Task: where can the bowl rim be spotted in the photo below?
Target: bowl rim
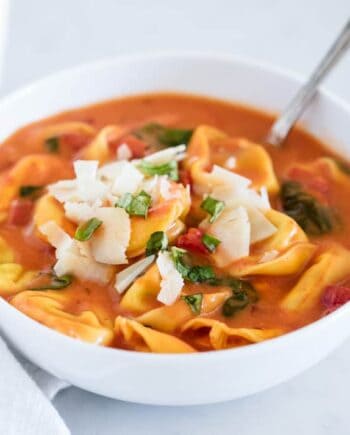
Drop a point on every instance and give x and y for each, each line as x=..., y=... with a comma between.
x=103, y=63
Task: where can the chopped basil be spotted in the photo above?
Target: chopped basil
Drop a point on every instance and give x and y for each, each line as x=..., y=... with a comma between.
x=194, y=302
x=156, y=135
x=313, y=217
x=30, y=190
x=87, y=229
x=55, y=282
x=191, y=273
x=170, y=169
x=137, y=205
x=52, y=144
x=157, y=242
x=213, y=207
x=125, y=201
x=243, y=293
x=210, y=242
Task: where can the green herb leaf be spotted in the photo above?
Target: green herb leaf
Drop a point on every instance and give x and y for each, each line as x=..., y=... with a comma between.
x=243, y=293
x=213, y=207
x=234, y=304
x=52, y=144
x=170, y=169
x=177, y=256
x=125, y=201
x=137, y=205
x=194, y=302
x=157, y=242
x=87, y=229
x=313, y=217
x=200, y=274
x=195, y=274
x=32, y=191
x=55, y=283
x=210, y=242
x=156, y=135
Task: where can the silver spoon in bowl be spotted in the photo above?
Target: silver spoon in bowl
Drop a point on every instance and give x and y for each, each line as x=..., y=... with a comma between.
x=283, y=124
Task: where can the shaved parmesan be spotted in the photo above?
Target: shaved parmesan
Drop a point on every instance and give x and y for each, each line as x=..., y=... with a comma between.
x=109, y=243
x=89, y=188
x=265, y=198
x=124, y=152
x=82, y=267
x=223, y=176
x=65, y=190
x=172, y=281
x=85, y=170
x=232, y=228
x=126, y=277
x=78, y=211
x=260, y=227
x=127, y=180
x=164, y=156
x=151, y=186
x=58, y=238
x=74, y=257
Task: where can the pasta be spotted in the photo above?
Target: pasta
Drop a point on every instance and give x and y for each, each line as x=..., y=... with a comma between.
x=181, y=238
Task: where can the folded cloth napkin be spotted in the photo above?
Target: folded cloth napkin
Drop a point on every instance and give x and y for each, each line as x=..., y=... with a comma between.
x=25, y=394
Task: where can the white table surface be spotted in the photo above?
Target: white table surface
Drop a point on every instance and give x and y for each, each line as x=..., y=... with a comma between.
x=45, y=36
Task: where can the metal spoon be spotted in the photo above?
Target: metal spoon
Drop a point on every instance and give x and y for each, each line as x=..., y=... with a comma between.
x=283, y=124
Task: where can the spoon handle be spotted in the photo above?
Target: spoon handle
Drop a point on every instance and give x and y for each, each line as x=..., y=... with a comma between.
x=281, y=127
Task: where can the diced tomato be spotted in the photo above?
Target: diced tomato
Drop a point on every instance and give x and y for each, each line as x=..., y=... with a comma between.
x=335, y=296
x=137, y=146
x=74, y=141
x=185, y=177
x=192, y=241
x=20, y=212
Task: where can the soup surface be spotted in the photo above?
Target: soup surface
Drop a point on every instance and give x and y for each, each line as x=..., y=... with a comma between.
x=161, y=223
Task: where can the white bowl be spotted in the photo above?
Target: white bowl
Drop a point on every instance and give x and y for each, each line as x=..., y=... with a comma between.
x=175, y=379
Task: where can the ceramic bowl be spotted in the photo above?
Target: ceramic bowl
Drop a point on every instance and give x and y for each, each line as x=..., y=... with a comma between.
x=183, y=379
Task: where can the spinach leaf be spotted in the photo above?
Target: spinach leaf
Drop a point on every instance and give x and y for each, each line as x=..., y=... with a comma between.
x=194, y=302
x=31, y=191
x=55, y=282
x=243, y=294
x=313, y=217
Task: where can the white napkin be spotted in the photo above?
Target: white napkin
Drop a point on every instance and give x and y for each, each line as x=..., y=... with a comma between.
x=25, y=394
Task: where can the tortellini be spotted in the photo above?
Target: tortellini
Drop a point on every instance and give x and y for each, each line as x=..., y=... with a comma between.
x=328, y=268
x=213, y=334
x=143, y=339
x=49, y=308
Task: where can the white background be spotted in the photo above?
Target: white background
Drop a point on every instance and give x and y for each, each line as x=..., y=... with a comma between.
x=45, y=36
